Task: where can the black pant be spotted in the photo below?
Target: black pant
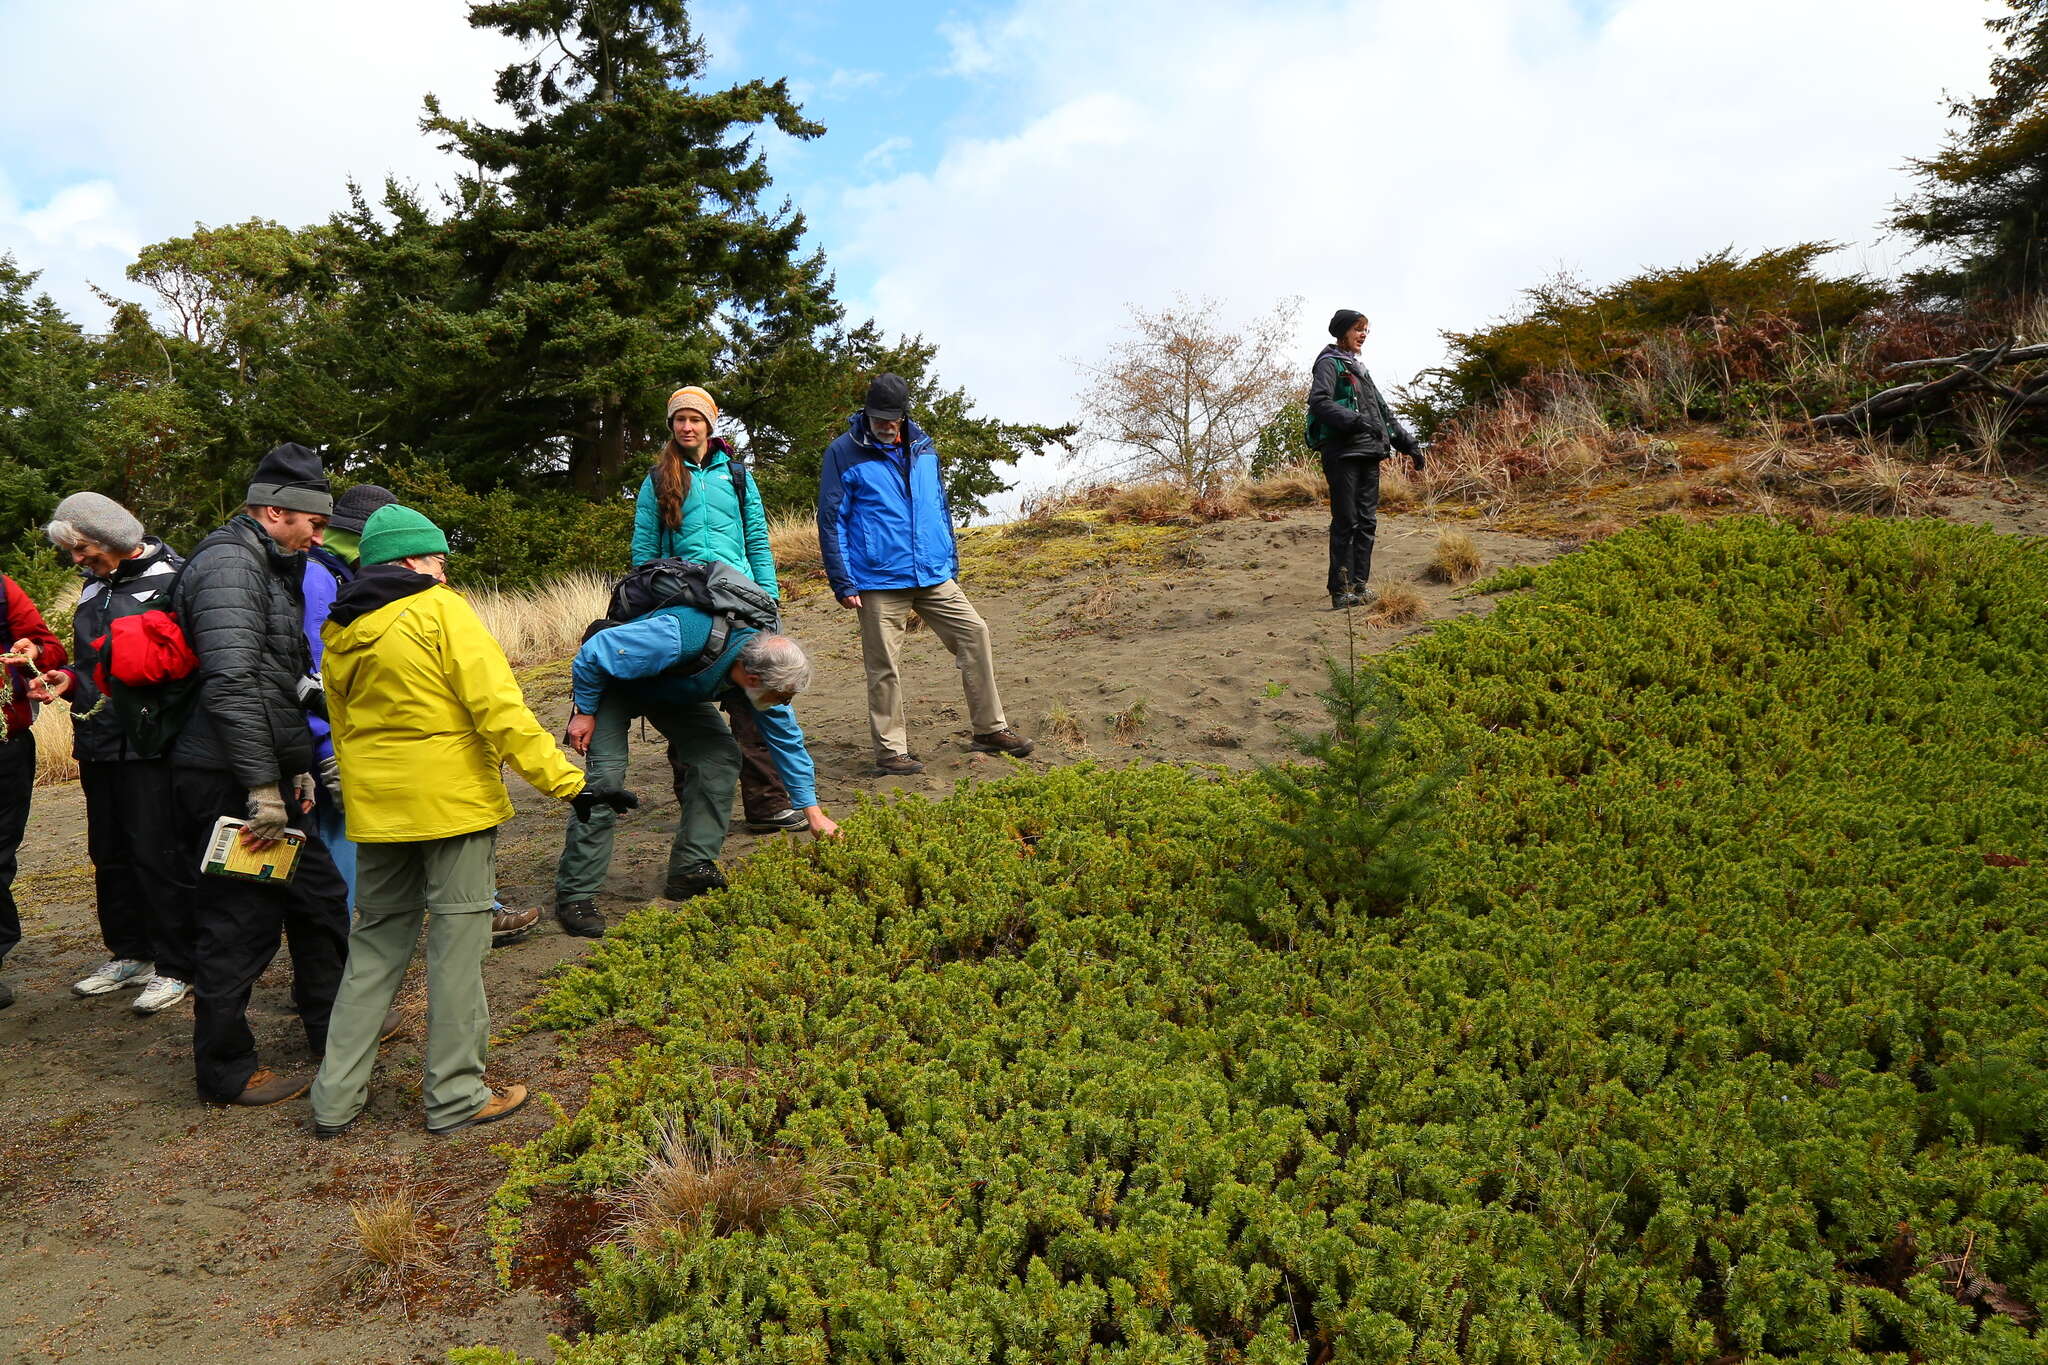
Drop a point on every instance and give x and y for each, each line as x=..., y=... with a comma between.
x=1354, y=519
x=17, y=781
x=238, y=923
x=142, y=872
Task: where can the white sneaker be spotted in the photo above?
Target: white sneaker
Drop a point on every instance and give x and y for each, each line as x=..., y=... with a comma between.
x=112, y=976
x=161, y=993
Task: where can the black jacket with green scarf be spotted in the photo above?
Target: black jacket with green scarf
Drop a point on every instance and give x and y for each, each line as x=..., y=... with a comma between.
x=1345, y=406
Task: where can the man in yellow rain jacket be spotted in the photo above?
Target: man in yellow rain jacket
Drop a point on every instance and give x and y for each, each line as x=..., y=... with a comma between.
x=424, y=709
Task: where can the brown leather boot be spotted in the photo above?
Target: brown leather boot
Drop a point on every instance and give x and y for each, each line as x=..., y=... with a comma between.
x=501, y=1103
x=1003, y=741
x=267, y=1087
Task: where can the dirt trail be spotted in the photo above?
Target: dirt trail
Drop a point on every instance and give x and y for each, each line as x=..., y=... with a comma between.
x=137, y=1224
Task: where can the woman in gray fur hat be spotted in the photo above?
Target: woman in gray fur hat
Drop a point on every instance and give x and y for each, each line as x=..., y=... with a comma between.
x=120, y=737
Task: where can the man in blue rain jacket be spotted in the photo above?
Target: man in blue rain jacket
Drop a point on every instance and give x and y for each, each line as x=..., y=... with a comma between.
x=886, y=533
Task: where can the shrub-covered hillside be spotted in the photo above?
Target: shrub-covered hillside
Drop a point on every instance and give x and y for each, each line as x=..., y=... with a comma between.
x=1716, y=1034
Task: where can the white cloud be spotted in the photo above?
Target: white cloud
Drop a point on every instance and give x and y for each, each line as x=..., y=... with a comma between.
x=1423, y=163
x=884, y=154
x=214, y=111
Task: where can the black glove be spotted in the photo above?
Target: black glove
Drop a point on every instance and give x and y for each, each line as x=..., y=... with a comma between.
x=591, y=797
x=1415, y=459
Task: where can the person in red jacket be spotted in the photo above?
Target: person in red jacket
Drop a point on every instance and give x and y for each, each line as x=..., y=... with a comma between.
x=28, y=648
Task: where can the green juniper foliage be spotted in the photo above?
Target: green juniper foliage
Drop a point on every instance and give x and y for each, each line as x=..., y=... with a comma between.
x=1715, y=1034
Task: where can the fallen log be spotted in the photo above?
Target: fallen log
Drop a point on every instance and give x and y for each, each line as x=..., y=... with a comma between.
x=1922, y=398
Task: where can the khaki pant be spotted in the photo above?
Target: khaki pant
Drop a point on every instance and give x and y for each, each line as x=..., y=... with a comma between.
x=959, y=627
x=452, y=882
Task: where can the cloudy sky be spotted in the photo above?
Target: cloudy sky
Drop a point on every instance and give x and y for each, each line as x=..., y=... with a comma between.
x=1008, y=177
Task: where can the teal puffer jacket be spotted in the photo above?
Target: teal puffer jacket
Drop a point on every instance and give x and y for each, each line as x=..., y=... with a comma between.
x=715, y=527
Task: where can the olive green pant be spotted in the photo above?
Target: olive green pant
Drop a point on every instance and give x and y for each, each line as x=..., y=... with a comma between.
x=450, y=882
x=702, y=741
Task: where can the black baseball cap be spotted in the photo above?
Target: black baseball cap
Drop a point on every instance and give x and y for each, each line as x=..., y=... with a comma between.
x=888, y=398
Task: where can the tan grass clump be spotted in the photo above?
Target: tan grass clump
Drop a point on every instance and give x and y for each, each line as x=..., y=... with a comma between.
x=54, y=762
x=793, y=540
x=1127, y=723
x=394, y=1244
x=693, y=1184
x=543, y=624
x=1400, y=486
x=1299, y=484
x=1064, y=726
x=1156, y=504
x=1456, y=560
x=1397, y=604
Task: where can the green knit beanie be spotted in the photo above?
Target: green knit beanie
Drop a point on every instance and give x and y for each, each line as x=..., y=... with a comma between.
x=394, y=532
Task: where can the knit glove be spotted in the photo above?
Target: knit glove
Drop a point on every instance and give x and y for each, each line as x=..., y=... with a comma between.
x=1415, y=458
x=330, y=777
x=601, y=794
x=267, y=816
x=304, y=792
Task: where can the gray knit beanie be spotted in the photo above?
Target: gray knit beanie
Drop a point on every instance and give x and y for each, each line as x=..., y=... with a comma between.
x=97, y=518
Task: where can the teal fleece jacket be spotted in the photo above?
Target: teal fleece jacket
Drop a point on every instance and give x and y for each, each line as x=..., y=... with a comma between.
x=715, y=527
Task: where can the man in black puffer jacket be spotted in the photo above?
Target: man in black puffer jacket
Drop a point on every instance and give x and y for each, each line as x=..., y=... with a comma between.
x=248, y=752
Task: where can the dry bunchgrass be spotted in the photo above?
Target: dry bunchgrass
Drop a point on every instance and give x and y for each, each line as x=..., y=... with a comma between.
x=793, y=540
x=1300, y=484
x=1064, y=726
x=1127, y=723
x=1397, y=604
x=1456, y=560
x=54, y=762
x=546, y=623
x=693, y=1184
x=393, y=1245
x=1879, y=482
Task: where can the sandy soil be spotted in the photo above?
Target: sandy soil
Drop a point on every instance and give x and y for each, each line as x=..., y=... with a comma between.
x=137, y=1224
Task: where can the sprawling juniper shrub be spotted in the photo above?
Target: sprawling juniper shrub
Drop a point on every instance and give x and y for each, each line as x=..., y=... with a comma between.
x=1715, y=1033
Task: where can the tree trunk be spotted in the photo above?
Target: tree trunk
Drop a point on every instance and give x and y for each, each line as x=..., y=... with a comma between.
x=586, y=474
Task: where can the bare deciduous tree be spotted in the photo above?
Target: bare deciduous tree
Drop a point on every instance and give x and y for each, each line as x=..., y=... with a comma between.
x=1183, y=394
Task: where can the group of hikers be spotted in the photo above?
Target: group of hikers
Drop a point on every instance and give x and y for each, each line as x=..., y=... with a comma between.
x=307, y=672
x=306, y=675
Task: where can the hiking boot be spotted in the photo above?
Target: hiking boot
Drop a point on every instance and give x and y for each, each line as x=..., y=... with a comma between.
x=161, y=993
x=509, y=926
x=394, y=1020
x=788, y=820
x=1003, y=741
x=694, y=880
x=326, y=1131
x=267, y=1087
x=112, y=976
x=580, y=919
x=501, y=1103
x=6, y=995
x=898, y=765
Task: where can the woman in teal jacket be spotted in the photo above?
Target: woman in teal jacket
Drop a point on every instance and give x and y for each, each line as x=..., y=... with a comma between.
x=699, y=503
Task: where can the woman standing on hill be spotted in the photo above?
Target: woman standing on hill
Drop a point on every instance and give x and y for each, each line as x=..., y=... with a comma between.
x=1351, y=427
x=699, y=502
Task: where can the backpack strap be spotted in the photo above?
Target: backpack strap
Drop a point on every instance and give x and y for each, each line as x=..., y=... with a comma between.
x=739, y=479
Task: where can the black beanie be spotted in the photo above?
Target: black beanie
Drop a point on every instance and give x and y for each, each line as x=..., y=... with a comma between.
x=291, y=477
x=1344, y=320
x=353, y=507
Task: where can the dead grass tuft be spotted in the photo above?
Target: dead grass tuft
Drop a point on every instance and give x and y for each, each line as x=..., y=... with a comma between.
x=394, y=1247
x=1397, y=604
x=54, y=762
x=546, y=623
x=1127, y=723
x=793, y=540
x=1064, y=726
x=1291, y=485
x=1221, y=737
x=696, y=1184
x=1456, y=560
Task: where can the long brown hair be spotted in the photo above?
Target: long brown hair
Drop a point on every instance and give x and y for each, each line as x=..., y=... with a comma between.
x=671, y=484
